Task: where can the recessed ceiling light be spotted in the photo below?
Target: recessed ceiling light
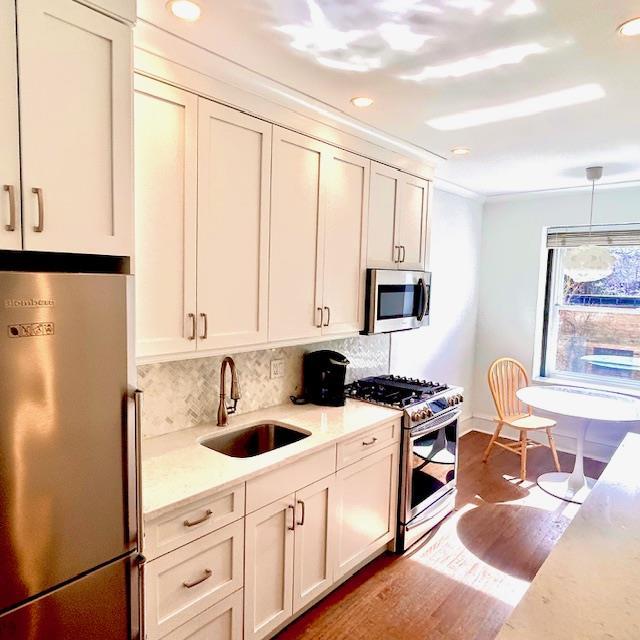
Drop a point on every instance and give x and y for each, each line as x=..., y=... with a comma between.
x=630, y=27
x=460, y=151
x=184, y=9
x=361, y=101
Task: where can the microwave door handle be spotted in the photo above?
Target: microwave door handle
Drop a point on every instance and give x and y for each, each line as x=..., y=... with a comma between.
x=425, y=301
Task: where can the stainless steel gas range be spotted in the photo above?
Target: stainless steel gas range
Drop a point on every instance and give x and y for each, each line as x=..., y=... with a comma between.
x=429, y=448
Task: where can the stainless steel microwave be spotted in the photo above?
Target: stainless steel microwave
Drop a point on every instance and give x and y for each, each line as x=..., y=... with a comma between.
x=396, y=300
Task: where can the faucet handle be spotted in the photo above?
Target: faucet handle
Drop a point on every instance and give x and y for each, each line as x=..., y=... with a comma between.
x=232, y=409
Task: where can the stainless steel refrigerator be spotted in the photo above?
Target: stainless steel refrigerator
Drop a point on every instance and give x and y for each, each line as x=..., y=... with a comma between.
x=69, y=512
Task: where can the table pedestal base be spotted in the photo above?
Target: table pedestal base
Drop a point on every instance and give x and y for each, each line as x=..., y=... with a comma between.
x=559, y=485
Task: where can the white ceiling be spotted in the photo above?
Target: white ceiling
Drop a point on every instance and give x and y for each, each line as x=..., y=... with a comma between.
x=409, y=56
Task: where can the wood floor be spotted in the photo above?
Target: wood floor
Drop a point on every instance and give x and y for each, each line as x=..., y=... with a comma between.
x=461, y=583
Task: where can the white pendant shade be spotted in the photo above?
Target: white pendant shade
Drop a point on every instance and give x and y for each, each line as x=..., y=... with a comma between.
x=588, y=263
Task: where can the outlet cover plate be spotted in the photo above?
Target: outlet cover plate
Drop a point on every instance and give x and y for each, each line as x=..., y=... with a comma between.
x=277, y=368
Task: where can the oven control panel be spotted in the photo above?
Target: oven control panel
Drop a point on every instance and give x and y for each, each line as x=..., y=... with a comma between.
x=424, y=412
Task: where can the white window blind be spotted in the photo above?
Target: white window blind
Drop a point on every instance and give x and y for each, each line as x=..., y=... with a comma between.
x=621, y=235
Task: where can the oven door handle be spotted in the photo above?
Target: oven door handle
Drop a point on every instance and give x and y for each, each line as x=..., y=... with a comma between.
x=433, y=426
x=432, y=514
x=425, y=300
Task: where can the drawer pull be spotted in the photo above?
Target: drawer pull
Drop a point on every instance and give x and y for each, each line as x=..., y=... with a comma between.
x=366, y=443
x=293, y=517
x=207, y=574
x=193, y=523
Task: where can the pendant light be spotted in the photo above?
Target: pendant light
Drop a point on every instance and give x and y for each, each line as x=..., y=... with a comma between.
x=589, y=262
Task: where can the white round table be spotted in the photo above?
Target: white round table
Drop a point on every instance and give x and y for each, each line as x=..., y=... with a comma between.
x=592, y=406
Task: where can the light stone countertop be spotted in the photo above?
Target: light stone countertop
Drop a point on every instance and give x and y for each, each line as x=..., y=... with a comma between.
x=176, y=469
x=589, y=586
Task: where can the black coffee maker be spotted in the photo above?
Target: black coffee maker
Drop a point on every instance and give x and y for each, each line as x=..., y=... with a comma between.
x=324, y=373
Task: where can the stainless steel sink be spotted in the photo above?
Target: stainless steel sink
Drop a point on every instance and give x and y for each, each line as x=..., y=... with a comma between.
x=254, y=440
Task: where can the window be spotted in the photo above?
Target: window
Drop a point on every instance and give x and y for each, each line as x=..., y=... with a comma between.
x=592, y=329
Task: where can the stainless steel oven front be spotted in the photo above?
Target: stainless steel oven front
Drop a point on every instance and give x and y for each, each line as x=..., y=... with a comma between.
x=397, y=300
x=429, y=466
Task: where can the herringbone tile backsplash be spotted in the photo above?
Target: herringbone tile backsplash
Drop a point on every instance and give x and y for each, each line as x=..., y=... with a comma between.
x=185, y=393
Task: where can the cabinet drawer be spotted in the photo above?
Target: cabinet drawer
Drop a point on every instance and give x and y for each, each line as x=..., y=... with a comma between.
x=368, y=442
x=289, y=478
x=192, y=521
x=223, y=621
x=186, y=582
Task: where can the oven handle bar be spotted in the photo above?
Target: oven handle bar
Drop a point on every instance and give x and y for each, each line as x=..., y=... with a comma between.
x=431, y=514
x=436, y=423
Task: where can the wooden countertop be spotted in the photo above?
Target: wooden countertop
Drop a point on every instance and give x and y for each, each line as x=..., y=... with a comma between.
x=589, y=586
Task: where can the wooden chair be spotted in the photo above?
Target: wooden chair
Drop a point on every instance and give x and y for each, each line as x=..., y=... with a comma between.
x=506, y=376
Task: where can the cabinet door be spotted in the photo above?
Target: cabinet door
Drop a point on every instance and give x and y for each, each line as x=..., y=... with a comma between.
x=234, y=172
x=345, y=239
x=76, y=128
x=314, y=541
x=269, y=539
x=366, y=511
x=10, y=227
x=411, y=233
x=297, y=203
x=166, y=200
x=382, y=252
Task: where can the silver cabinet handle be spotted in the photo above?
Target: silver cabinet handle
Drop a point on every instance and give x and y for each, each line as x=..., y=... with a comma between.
x=205, y=326
x=326, y=324
x=12, y=207
x=39, y=228
x=404, y=252
x=192, y=317
x=396, y=249
x=207, y=574
x=293, y=517
x=301, y=521
x=370, y=442
x=137, y=405
x=320, y=310
x=192, y=523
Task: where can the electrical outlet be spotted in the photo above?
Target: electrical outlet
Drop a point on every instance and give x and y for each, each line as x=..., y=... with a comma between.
x=277, y=368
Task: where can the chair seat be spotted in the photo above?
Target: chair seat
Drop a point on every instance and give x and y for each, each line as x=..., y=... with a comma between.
x=530, y=422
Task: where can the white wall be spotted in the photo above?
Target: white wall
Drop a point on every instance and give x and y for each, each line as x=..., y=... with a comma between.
x=510, y=267
x=445, y=349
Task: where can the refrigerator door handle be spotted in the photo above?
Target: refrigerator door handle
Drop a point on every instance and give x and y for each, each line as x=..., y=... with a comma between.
x=137, y=398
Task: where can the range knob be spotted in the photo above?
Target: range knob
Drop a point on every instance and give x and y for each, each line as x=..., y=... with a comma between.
x=460, y=398
x=416, y=417
x=428, y=413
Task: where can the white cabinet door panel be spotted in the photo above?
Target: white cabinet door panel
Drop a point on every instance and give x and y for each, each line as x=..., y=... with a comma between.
x=269, y=540
x=121, y=9
x=10, y=224
x=383, y=206
x=76, y=128
x=295, y=277
x=412, y=222
x=314, y=541
x=366, y=512
x=234, y=162
x=345, y=241
x=166, y=201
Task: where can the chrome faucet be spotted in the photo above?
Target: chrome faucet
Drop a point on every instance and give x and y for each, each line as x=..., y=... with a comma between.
x=223, y=410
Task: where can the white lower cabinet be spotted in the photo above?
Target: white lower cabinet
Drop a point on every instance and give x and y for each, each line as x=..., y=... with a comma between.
x=189, y=580
x=223, y=621
x=366, y=507
x=268, y=558
x=249, y=578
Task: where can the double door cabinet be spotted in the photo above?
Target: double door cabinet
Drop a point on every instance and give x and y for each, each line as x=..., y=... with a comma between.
x=251, y=234
x=309, y=525
x=66, y=128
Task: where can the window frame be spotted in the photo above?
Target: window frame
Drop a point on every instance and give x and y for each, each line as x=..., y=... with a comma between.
x=552, y=281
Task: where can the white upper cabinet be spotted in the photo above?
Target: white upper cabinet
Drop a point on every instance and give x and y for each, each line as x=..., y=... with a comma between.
x=76, y=128
x=347, y=194
x=234, y=169
x=297, y=215
x=412, y=222
x=398, y=220
x=382, y=253
x=10, y=225
x=318, y=238
x=166, y=211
